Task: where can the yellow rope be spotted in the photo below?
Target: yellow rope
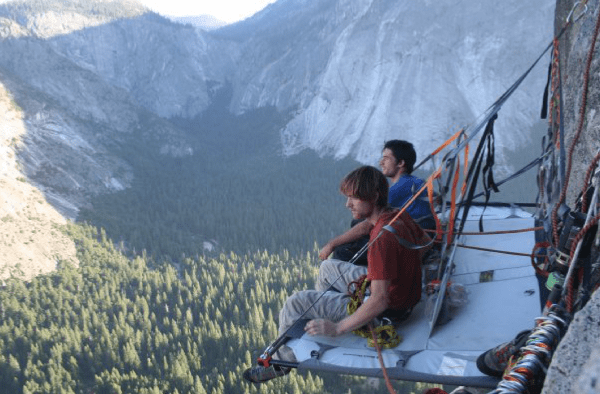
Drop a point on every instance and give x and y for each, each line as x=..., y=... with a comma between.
x=386, y=334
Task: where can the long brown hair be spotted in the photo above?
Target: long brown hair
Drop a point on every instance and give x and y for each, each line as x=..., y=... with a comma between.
x=366, y=183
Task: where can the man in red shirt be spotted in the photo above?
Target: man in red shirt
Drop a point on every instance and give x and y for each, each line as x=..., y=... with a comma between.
x=393, y=269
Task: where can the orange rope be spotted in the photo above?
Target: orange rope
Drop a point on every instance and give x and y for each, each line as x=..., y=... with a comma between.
x=539, y=271
x=388, y=383
x=586, y=182
x=448, y=142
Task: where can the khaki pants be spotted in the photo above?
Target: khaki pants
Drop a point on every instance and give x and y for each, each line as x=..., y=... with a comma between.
x=332, y=305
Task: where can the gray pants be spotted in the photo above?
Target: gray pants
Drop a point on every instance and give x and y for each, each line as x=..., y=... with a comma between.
x=332, y=305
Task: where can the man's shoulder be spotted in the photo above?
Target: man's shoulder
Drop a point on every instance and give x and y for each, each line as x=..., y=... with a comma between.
x=399, y=222
x=407, y=181
x=414, y=179
x=404, y=225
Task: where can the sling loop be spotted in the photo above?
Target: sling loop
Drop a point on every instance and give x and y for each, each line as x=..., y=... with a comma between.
x=404, y=242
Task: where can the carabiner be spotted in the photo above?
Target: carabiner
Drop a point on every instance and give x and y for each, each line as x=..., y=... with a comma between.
x=573, y=11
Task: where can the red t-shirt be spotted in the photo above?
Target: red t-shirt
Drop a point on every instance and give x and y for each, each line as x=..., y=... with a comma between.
x=388, y=260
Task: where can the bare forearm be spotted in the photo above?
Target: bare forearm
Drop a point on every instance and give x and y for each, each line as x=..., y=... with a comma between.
x=367, y=312
x=371, y=308
x=354, y=233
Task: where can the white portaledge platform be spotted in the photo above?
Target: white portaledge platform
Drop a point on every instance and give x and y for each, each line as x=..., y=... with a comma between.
x=503, y=300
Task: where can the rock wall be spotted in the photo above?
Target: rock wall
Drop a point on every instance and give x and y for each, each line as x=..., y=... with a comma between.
x=575, y=367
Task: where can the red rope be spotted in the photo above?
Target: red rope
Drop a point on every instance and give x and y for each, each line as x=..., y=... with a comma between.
x=539, y=271
x=494, y=250
x=388, y=383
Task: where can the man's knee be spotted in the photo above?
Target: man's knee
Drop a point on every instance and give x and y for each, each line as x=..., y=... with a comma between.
x=297, y=303
x=327, y=269
x=294, y=307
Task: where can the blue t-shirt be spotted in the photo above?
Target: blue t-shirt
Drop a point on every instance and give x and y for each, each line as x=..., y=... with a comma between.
x=403, y=190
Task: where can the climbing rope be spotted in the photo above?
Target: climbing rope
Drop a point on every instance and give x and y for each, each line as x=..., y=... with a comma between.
x=522, y=230
x=388, y=383
x=494, y=250
x=384, y=335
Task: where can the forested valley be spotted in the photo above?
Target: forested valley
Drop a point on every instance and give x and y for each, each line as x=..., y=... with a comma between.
x=150, y=309
x=120, y=325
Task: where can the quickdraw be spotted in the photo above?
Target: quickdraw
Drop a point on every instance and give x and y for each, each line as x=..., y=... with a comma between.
x=534, y=358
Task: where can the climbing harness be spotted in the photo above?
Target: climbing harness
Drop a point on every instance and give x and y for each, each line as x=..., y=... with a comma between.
x=384, y=335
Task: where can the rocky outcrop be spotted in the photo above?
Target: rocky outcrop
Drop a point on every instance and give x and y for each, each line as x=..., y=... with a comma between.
x=76, y=117
x=575, y=367
x=32, y=241
x=576, y=363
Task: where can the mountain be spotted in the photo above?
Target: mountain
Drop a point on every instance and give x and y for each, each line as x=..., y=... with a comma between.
x=358, y=73
x=75, y=117
x=352, y=73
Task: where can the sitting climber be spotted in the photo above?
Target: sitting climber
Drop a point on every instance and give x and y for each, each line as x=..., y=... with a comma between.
x=393, y=270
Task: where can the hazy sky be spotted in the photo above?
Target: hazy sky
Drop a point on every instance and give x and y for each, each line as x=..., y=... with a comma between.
x=225, y=10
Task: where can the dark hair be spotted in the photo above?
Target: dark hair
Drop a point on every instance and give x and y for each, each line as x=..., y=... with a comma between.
x=366, y=183
x=403, y=150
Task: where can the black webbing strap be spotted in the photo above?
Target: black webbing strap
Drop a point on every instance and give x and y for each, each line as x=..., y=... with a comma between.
x=544, y=113
x=473, y=173
x=488, y=169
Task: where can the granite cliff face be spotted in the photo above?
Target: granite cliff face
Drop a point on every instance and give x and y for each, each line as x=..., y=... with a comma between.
x=76, y=117
x=575, y=367
x=366, y=71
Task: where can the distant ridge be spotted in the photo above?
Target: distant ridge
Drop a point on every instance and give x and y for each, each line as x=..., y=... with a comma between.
x=204, y=22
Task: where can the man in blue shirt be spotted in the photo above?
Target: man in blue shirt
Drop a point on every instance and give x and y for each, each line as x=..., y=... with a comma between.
x=397, y=161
